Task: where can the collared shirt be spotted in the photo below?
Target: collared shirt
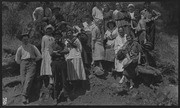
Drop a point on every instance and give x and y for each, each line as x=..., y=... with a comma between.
x=88, y=27
x=74, y=52
x=115, y=16
x=30, y=51
x=132, y=15
x=96, y=34
x=97, y=14
x=111, y=35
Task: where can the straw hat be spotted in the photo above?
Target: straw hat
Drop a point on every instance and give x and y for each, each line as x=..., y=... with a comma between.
x=49, y=26
x=130, y=5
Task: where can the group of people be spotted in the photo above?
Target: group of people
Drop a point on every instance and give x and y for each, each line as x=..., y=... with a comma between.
x=108, y=41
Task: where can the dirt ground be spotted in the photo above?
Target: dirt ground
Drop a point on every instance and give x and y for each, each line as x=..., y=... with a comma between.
x=102, y=91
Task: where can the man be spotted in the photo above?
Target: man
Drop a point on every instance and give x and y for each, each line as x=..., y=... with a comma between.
x=115, y=13
x=124, y=20
x=150, y=16
x=97, y=13
x=27, y=55
x=59, y=69
x=57, y=17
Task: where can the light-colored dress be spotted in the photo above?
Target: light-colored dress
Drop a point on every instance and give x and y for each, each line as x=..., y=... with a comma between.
x=119, y=42
x=97, y=38
x=75, y=67
x=109, y=51
x=46, y=58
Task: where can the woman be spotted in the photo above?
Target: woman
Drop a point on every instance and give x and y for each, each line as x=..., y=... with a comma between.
x=110, y=37
x=97, y=46
x=47, y=40
x=120, y=40
x=107, y=13
x=75, y=67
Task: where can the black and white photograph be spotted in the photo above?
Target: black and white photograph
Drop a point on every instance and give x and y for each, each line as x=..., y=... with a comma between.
x=113, y=53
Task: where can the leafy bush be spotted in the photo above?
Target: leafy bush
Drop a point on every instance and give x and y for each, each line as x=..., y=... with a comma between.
x=11, y=23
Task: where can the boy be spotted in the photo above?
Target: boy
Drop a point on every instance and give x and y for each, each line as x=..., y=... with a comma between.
x=27, y=55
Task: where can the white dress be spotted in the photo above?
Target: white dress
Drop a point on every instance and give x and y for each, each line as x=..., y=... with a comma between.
x=46, y=58
x=119, y=42
x=111, y=36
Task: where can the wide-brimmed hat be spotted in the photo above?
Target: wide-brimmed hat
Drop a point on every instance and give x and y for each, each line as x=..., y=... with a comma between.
x=49, y=26
x=111, y=22
x=130, y=5
x=21, y=36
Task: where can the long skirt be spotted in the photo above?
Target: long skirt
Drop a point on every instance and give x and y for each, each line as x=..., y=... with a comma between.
x=109, y=54
x=75, y=69
x=46, y=64
x=98, y=53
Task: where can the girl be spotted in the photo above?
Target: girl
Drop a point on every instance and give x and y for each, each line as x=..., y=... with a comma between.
x=119, y=42
x=110, y=37
x=47, y=40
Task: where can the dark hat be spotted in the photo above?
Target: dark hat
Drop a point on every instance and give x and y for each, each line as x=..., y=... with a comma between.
x=22, y=35
x=111, y=21
x=121, y=54
x=56, y=8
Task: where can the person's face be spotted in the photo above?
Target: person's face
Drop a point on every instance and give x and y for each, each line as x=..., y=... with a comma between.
x=121, y=32
x=88, y=19
x=105, y=7
x=49, y=31
x=69, y=33
x=131, y=9
x=147, y=5
x=123, y=6
x=118, y=6
x=111, y=26
x=25, y=40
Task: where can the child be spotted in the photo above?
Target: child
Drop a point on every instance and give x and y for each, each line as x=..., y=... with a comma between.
x=27, y=55
x=110, y=37
x=119, y=42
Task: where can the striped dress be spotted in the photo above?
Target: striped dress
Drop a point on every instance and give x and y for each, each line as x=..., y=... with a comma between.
x=75, y=67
